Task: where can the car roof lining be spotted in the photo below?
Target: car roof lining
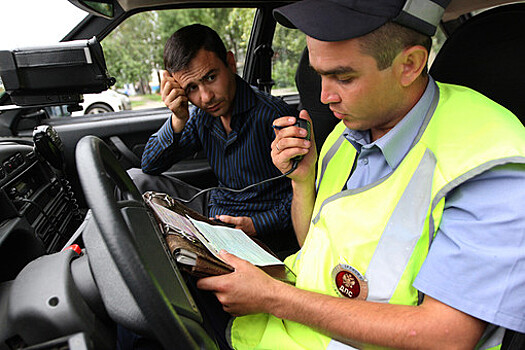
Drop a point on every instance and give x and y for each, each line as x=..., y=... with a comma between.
x=455, y=9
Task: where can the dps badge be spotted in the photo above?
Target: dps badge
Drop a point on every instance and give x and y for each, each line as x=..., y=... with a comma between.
x=349, y=282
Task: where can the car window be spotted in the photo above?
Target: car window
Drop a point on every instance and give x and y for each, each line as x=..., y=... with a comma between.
x=60, y=17
x=28, y=23
x=134, y=57
x=288, y=45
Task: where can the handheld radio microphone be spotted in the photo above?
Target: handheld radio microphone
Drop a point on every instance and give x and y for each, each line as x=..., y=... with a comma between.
x=300, y=122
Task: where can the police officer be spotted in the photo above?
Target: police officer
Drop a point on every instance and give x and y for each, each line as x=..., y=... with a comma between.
x=412, y=224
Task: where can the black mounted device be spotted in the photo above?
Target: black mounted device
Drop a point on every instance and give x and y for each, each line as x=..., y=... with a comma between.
x=55, y=74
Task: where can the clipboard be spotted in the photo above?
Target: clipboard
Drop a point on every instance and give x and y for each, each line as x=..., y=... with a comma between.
x=195, y=241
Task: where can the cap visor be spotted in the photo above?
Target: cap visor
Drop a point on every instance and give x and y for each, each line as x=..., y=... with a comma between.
x=327, y=21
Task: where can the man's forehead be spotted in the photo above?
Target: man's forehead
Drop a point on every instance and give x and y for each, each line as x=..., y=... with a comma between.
x=188, y=76
x=203, y=64
x=333, y=46
x=336, y=57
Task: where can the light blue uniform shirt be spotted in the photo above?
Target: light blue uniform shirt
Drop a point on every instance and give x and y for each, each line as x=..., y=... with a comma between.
x=476, y=263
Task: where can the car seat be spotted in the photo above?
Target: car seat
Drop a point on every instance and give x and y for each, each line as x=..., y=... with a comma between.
x=308, y=84
x=487, y=54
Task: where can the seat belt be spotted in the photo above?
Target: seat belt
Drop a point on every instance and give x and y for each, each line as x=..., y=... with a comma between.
x=264, y=54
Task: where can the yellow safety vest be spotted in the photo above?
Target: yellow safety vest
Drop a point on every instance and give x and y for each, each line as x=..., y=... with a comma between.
x=381, y=233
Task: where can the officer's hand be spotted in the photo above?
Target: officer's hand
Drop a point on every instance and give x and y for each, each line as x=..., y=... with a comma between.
x=244, y=223
x=289, y=143
x=175, y=99
x=247, y=290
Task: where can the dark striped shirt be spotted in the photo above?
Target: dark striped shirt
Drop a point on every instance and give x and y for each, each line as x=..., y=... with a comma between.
x=238, y=159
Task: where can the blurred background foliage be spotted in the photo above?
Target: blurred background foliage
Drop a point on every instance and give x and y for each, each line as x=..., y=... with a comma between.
x=134, y=50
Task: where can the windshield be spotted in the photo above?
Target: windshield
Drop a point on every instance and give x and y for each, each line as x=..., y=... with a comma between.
x=29, y=22
x=34, y=23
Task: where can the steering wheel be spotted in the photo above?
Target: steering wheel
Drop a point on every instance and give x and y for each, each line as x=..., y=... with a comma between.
x=99, y=172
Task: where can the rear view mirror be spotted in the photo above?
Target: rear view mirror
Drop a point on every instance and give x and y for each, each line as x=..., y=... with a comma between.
x=102, y=8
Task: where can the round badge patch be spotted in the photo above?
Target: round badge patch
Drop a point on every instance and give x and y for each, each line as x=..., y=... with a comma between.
x=349, y=282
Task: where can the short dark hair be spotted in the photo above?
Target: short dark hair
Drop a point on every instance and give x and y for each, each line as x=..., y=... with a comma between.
x=387, y=41
x=183, y=45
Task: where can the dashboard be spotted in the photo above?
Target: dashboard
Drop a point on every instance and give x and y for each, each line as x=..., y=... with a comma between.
x=38, y=210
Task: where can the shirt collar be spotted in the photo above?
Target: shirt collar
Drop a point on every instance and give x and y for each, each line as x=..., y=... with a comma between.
x=397, y=142
x=245, y=98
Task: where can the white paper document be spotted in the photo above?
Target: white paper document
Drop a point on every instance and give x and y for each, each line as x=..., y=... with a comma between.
x=234, y=241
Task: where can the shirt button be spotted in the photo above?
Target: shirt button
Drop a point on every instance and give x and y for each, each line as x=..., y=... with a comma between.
x=364, y=161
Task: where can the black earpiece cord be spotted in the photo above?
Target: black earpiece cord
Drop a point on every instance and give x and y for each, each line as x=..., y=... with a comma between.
x=294, y=166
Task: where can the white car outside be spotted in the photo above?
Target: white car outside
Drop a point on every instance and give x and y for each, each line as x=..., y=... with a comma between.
x=106, y=101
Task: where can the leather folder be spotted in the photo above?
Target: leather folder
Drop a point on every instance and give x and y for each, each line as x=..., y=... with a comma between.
x=191, y=255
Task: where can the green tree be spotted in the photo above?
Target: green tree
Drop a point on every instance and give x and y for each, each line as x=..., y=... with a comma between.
x=232, y=24
x=288, y=45
x=133, y=50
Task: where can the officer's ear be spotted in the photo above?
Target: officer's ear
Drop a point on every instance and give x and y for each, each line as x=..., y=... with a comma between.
x=232, y=64
x=410, y=63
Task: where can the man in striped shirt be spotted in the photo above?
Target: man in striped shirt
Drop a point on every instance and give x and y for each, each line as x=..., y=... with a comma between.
x=232, y=122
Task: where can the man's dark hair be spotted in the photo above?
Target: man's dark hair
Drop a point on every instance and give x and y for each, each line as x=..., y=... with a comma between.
x=386, y=42
x=183, y=45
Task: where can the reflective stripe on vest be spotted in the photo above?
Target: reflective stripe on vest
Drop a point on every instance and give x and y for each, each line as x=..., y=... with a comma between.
x=395, y=248
x=328, y=157
x=491, y=338
x=337, y=345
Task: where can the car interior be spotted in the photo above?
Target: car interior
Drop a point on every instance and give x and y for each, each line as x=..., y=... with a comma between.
x=75, y=260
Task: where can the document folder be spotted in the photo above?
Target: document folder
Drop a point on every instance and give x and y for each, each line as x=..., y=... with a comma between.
x=195, y=241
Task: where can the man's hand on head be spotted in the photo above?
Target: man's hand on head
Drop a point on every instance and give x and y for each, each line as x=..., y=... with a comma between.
x=244, y=223
x=174, y=97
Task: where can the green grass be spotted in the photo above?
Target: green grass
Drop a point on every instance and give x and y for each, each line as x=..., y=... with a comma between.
x=139, y=100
